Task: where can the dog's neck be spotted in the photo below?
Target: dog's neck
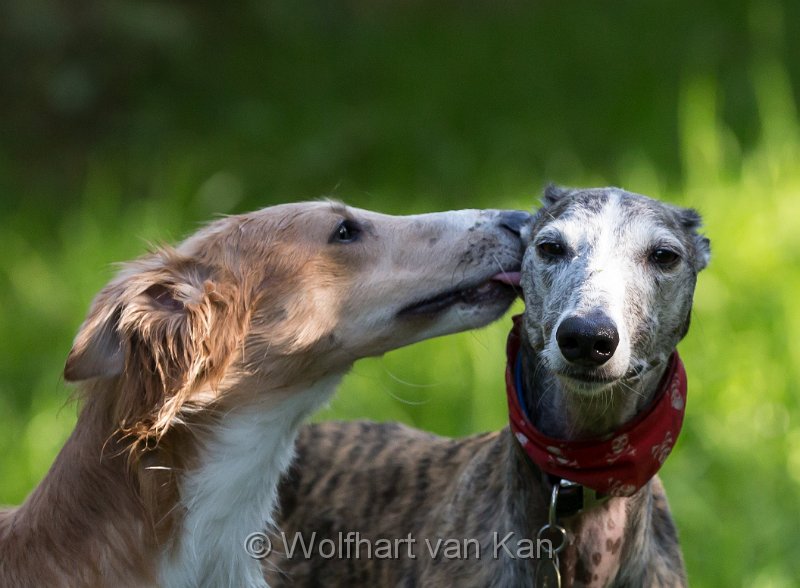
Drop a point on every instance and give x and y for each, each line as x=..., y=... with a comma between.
x=611, y=537
x=97, y=520
x=233, y=491
x=85, y=523
x=604, y=543
x=566, y=414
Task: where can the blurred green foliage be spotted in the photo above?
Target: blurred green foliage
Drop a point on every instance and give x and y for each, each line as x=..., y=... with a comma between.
x=127, y=122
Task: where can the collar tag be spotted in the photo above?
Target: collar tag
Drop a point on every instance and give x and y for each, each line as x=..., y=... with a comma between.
x=574, y=498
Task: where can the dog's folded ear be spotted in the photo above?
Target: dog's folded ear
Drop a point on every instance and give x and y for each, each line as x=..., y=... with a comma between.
x=101, y=346
x=103, y=343
x=691, y=220
x=554, y=193
x=97, y=350
x=164, y=325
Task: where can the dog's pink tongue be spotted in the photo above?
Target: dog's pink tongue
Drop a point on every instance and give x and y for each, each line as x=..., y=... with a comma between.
x=510, y=278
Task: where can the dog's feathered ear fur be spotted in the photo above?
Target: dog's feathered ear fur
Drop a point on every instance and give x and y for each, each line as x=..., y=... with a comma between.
x=164, y=326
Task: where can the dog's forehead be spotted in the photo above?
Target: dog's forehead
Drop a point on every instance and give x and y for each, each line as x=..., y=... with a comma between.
x=587, y=213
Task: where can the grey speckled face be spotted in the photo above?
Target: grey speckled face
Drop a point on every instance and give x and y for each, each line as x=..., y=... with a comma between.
x=608, y=278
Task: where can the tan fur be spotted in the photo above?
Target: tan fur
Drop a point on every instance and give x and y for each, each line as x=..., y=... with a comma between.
x=242, y=316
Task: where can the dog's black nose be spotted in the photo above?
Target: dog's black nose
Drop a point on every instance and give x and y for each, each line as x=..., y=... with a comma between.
x=590, y=340
x=514, y=220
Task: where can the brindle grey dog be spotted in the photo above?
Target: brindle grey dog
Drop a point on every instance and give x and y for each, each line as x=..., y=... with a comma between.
x=617, y=272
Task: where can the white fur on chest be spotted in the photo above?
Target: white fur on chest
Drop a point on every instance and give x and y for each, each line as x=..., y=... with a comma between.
x=234, y=490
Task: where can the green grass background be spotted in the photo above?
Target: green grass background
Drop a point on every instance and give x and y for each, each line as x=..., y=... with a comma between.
x=123, y=123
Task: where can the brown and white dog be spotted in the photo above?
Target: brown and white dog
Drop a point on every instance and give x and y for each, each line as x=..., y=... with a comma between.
x=198, y=364
x=596, y=395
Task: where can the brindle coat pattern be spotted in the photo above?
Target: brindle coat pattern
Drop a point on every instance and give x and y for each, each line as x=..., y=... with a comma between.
x=387, y=481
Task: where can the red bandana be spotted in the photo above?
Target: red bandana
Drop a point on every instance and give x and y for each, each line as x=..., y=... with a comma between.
x=618, y=464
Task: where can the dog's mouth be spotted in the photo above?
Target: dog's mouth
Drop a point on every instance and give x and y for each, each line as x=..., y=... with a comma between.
x=503, y=286
x=590, y=380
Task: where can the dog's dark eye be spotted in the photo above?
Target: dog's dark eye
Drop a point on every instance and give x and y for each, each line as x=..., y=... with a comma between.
x=346, y=231
x=663, y=257
x=551, y=249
